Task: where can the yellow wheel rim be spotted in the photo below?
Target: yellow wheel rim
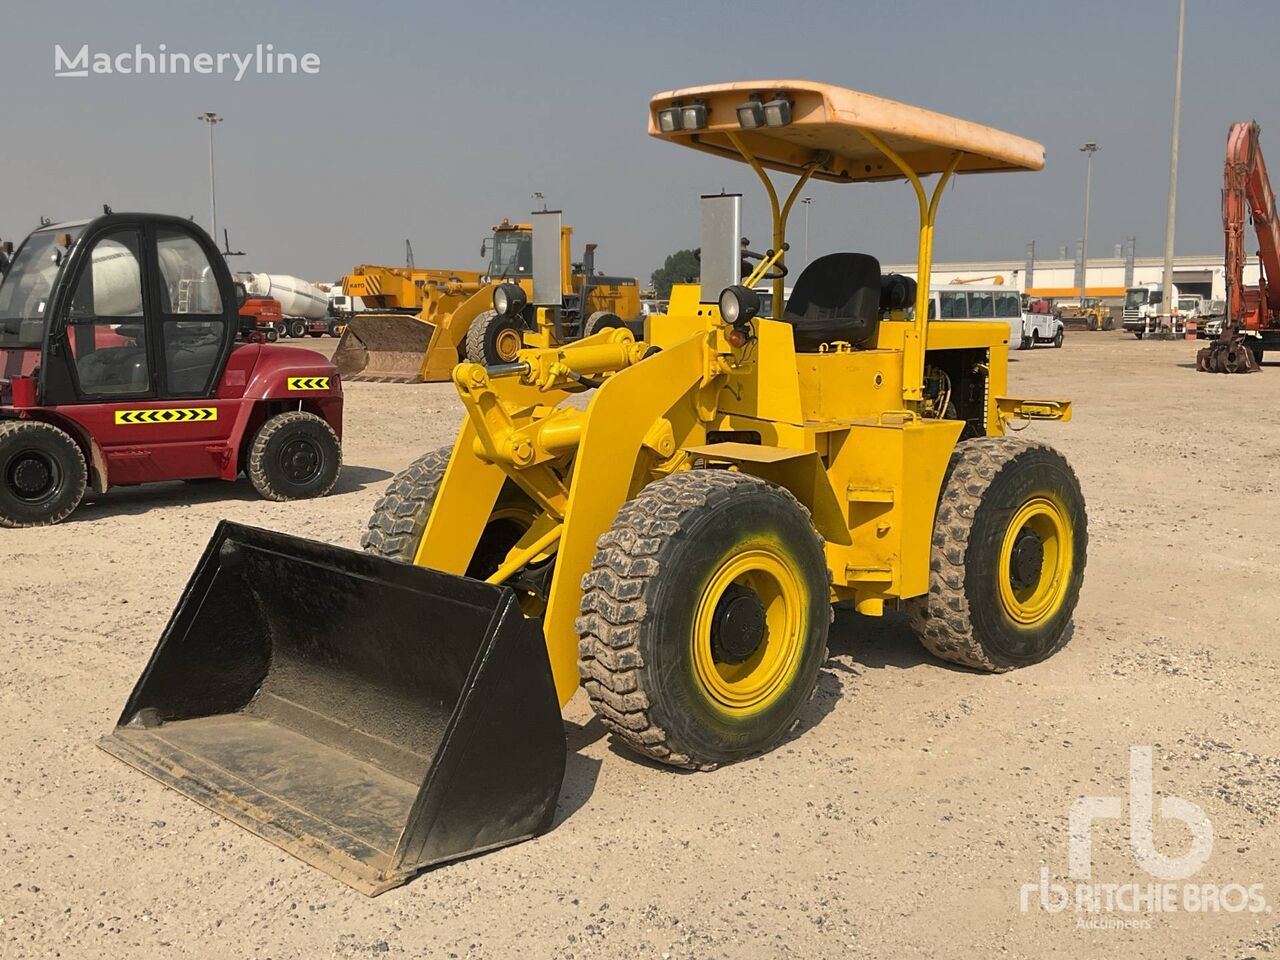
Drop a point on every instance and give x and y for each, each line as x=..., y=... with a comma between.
x=756, y=682
x=1031, y=596
x=508, y=344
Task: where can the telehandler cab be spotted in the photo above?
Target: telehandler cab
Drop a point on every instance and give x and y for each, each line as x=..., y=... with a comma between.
x=124, y=359
x=674, y=547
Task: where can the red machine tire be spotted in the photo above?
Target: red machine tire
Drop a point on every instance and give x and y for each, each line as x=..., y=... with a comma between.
x=42, y=474
x=294, y=456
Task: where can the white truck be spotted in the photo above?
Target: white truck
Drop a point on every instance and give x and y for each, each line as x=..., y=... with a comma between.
x=1142, y=307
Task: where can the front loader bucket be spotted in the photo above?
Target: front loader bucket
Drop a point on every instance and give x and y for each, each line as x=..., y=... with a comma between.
x=383, y=347
x=372, y=718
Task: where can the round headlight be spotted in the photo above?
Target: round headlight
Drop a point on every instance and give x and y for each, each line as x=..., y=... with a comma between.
x=738, y=304
x=508, y=299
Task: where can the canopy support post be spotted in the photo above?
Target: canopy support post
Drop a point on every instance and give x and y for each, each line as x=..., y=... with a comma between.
x=917, y=338
x=779, y=214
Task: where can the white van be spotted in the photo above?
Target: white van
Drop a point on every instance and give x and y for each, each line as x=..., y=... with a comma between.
x=972, y=301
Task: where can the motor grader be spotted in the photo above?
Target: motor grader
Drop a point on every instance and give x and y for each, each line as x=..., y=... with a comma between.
x=456, y=322
x=673, y=545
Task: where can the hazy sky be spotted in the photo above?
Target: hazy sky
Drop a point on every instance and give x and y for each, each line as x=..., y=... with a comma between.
x=432, y=121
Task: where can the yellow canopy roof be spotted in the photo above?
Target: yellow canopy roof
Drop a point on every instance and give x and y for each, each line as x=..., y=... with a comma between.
x=825, y=126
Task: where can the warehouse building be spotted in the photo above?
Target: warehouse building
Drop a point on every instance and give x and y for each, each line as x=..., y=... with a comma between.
x=1108, y=277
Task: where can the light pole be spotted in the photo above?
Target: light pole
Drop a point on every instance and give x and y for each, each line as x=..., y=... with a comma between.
x=807, y=201
x=1089, y=149
x=1167, y=304
x=211, y=119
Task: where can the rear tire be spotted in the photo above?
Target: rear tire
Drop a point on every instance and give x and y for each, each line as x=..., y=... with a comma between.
x=601, y=320
x=492, y=339
x=282, y=328
x=400, y=516
x=315, y=333
x=1000, y=597
x=1058, y=338
x=272, y=335
x=1028, y=342
x=42, y=473
x=297, y=329
x=294, y=456
x=704, y=618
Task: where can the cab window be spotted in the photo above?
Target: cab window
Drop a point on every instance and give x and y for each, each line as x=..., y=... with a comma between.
x=952, y=306
x=106, y=332
x=981, y=305
x=193, y=327
x=1008, y=305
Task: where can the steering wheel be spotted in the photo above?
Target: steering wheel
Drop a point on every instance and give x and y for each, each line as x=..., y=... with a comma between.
x=777, y=272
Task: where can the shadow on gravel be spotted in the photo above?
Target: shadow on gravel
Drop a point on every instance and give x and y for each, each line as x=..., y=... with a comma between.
x=878, y=643
x=148, y=496
x=580, y=772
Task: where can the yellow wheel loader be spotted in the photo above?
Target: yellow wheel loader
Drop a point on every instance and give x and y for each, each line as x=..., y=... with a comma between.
x=674, y=545
x=456, y=321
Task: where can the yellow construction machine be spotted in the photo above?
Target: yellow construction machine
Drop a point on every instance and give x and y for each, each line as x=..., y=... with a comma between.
x=398, y=289
x=455, y=319
x=664, y=521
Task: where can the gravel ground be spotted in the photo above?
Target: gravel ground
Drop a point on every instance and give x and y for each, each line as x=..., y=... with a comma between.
x=903, y=819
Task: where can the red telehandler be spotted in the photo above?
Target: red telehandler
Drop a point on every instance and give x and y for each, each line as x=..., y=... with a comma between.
x=1252, y=322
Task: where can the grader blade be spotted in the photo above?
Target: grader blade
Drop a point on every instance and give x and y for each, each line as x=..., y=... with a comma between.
x=372, y=718
x=383, y=348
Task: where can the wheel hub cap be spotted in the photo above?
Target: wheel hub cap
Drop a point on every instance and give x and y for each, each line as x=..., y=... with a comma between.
x=1027, y=560
x=32, y=477
x=738, y=625
x=300, y=460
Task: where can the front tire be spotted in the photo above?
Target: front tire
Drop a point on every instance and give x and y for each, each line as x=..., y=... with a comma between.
x=272, y=335
x=1058, y=338
x=294, y=456
x=493, y=339
x=400, y=516
x=1009, y=547
x=42, y=474
x=704, y=618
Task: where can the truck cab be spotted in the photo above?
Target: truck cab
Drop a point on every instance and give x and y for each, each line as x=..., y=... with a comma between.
x=1142, y=307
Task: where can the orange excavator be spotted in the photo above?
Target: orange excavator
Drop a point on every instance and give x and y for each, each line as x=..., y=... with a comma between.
x=1252, y=322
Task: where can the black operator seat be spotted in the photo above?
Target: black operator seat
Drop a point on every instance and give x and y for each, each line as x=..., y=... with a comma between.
x=836, y=297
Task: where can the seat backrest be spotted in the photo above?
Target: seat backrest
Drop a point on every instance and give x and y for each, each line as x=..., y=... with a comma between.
x=836, y=297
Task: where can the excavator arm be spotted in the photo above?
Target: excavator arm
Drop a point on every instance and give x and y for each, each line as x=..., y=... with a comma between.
x=1246, y=191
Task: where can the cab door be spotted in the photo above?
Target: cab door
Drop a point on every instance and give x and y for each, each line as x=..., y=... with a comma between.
x=162, y=327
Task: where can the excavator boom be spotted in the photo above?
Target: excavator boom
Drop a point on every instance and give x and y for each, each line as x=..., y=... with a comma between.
x=1246, y=191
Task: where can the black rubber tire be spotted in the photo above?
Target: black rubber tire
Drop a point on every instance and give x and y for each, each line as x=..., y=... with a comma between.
x=1137, y=334
x=29, y=451
x=1258, y=354
x=962, y=619
x=483, y=336
x=400, y=516
x=294, y=434
x=282, y=328
x=333, y=329
x=297, y=329
x=272, y=335
x=601, y=320
x=639, y=606
x=1028, y=342
x=1058, y=338
x=315, y=333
